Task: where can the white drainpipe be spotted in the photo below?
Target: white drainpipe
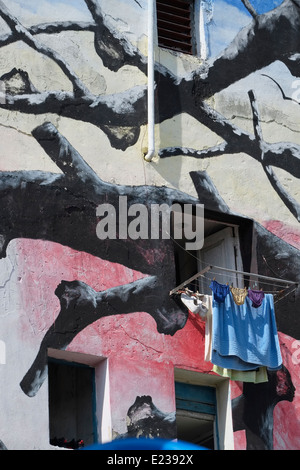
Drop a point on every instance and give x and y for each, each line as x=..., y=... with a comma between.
x=203, y=47
x=151, y=123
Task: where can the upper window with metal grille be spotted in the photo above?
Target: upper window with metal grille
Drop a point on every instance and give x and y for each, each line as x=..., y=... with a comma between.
x=174, y=25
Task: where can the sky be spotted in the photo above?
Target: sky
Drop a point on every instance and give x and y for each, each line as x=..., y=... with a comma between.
x=229, y=16
x=34, y=5
x=48, y=10
x=78, y=7
x=261, y=6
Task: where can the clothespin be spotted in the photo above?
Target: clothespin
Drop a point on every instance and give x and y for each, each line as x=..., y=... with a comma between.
x=198, y=295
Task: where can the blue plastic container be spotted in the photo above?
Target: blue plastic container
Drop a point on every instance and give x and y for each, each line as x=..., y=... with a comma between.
x=144, y=444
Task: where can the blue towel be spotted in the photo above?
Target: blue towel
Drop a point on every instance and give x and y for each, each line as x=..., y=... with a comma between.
x=244, y=337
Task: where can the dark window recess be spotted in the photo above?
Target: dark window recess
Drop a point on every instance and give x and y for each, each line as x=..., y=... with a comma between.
x=71, y=404
x=174, y=25
x=196, y=414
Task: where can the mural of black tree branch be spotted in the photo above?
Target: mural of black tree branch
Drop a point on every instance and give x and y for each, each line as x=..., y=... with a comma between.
x=121, y=115
x=282, y=155
x=62, y=207
x=81, y=306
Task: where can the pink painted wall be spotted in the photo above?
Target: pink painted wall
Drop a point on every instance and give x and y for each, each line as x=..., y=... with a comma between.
x=141, y=361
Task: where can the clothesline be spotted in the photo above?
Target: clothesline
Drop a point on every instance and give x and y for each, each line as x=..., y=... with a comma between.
x=210, y=267
x=269, y=288
x=173, y=291
x=237, y=345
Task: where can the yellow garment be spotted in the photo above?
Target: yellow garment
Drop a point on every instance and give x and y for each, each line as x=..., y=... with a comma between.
x=239, y=295
x=254, y=376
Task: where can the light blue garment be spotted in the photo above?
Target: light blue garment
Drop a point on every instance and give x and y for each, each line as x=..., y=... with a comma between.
x=244, y=337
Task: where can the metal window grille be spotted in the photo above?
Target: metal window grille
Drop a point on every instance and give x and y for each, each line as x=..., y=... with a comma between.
x=174, y=25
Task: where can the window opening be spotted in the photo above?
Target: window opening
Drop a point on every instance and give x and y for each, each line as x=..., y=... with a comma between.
x=72, y=422
x=221, y=248
x=175, y=25
x=196, y=414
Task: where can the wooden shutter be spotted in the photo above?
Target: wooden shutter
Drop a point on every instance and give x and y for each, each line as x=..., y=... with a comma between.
x=174, y=24
x=221, y=249
x=198, y=398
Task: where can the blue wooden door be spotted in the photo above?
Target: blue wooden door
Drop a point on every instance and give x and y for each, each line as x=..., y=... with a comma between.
x=196, y=407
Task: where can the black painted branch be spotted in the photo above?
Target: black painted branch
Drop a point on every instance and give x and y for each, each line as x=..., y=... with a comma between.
x=272, y=36
x=284, y=96
x=61, y=26
x=114, y=49
x=81, y=305
x=190, y=152
x=288, y=200
x=254, y=47
x=119, y=116
x=64, y=155
x=256, y=119
x=22, y=33
x=208, y=193
x=282, y=155
x=50, y=28
x=72, y=164
x=236, y=140
x=63, y=209
x=250, y=8
x=112, y=109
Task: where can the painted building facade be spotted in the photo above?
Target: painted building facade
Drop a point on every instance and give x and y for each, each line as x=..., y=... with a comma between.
x=88, y=323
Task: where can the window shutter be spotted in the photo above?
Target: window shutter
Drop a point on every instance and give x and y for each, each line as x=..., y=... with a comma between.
x=174, y=24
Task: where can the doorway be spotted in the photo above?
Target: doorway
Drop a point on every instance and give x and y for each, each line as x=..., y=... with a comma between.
x=71, y=404
x=221, y=249
x=196, y=414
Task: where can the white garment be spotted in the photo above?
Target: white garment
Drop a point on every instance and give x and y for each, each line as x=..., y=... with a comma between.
x=198, y=305
x=208, y=331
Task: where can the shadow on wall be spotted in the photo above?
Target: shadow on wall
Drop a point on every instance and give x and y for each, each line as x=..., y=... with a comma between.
x=253, y=410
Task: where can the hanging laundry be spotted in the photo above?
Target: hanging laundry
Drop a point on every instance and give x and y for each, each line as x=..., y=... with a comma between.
x=255, y=376
x=244, y=337
x=257, y=297
x=208, y=332
x=239, y=294
x=195, y=303
x=220, y=290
